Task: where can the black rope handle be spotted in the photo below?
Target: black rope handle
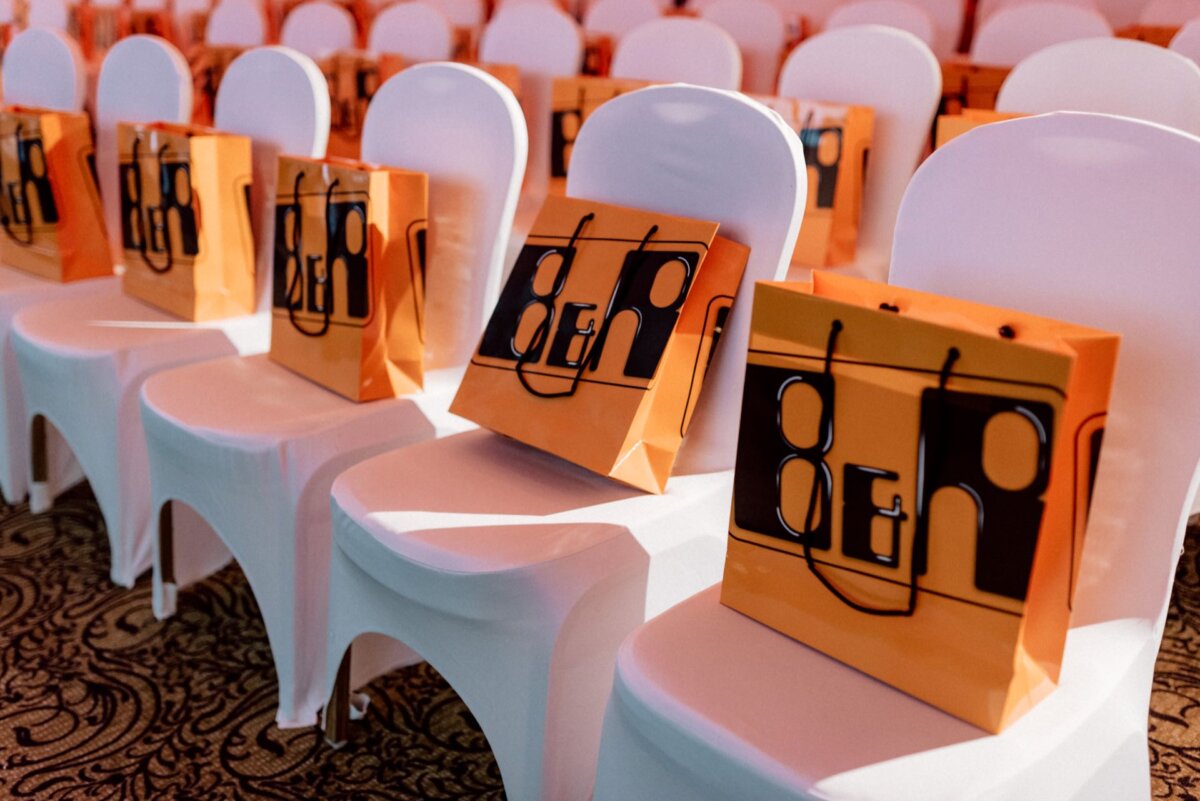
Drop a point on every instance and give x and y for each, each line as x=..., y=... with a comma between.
x=920, y=547
x=162, y=210
x=8, y=218
x=294, y=294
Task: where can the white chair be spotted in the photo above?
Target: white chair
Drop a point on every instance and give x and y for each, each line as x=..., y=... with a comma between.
x=415, y=30
x=236, y=23
x=462, y=13
x=52, y=14
x=1169, y=13
x=899, y=14
x=1187, y=42
x=254, y=448
x=708, y=704
x=318, y=28
x=82, y=362
x=815, y=12
x=947, y=17
x=43, y=69
x=1109, y=76
x=895, y=74
x=616, y=18
x=517, y=574
x=679, y=49
x=1009, y=35
x=986, y=8
x=760, y=32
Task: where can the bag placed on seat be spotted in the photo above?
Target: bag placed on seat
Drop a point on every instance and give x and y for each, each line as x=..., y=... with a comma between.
x=348, y=286
x=208, y=64
x=912, y=486
x=955, y=125
x=597, y=348
x=967, y=85
x=353, y=78
x=185, y=219
x=51, y=220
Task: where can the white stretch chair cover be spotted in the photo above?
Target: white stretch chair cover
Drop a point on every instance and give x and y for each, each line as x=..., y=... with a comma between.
x=462, y=13
x=679, y=49
x=1108, y=76
x=895, y=74
x=318, y=28
x=618, y=17
x=1187, y=42
x=517, y=574
x=236, y=23
x=708, y=705
x=760, y=32
x=947, y=17
x=1014, y=33
x=1169, y=13
x=254, y=448
x=413, y=29
x=44, y=69
x=899, y=14
x=82, y=362
x=987, y=8
x=53, y=15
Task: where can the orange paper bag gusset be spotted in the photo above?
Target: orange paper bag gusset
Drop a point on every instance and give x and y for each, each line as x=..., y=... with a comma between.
x=912, y=486
x=185, y=219
x=50, y=214
x=348, y=278
x=597, y=348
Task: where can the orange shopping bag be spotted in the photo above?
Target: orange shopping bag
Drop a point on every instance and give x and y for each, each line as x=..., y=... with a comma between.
x=598, y=345
x=50, y=213
x=185, y=219
x=208, y=65
x=966, y=85
x=912, y=486
x=955, y=125
x=353, y=78
x=348, y=283
x=573, y=99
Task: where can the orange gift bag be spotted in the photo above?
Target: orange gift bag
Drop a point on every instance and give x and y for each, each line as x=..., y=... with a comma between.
x=955, y=125
x=208, y=65
x=348, y=282
x=185, y=219
x=353, y=79
x=598, y=345
x=912, y=486
x=573, y=99
x=50, y=213
x=966, y=85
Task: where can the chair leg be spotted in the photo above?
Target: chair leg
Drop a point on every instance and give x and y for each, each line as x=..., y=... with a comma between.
x=336, y=717
x=164, y=589
x=39, y=485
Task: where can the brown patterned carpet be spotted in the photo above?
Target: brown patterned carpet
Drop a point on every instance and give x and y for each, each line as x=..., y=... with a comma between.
x=100, y=701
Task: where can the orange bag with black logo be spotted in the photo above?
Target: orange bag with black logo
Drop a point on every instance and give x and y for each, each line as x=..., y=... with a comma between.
x=353, y=79
x=51, y=220
x=185, y=219
x=967, y=85
x=955, y=125
x=208, y=65
x=912, y=486
x=348, y=287
x=573, y=100
x=597, y=348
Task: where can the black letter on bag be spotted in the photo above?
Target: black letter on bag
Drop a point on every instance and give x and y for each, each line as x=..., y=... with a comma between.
x=655, y=323
x=500, y=337
x=764, y=451
x=859, y=511
x=951, y=455
x=339, y=217
x=568, y=332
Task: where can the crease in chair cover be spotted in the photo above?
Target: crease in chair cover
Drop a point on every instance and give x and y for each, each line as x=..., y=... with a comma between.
x=516, y=573
x=82, y=361
x=253, y=448
x=778, y=720
x=897, y=75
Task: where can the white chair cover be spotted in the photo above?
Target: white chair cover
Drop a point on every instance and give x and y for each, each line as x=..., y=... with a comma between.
x=760, y=32
x=51, y=14
x=618, y=17
x=517, y=574
x=679, y=49
x=318, y=28
x=1169, y=13
x=1187, y=42
x=899, y=14
x=413, y=29
x=709, y=705
x=236, y=23
x=1012, y=34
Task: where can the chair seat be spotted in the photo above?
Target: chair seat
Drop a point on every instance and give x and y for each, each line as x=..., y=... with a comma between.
x=479, y=503
x=252, y=400
x=713, y=688
x=112, y=322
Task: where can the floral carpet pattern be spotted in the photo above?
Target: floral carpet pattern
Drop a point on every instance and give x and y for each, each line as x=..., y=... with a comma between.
x=98, y=700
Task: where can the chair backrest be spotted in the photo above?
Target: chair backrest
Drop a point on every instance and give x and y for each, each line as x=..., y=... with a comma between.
x=415, y=30
x=317, y=28
x=1055, y=215
x=464, y=129
x=44, y=68
x=618, y=17
x=760, y=32
x=1014, y=33
x=897, y=75
x=815, y=12
x=462, y=13
x=236, y=23
x=1187, y=42
x=899, y=14
x=947, y=17
x=52, y=14
x=142, y=79
x=679, y=49
x=7, y=11
x=1110, y=76
x=1169, y=13
x=709, y=155
x=279, y=98
x=543, y=43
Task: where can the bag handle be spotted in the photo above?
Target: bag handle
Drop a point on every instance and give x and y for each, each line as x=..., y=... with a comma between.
x=16, y=196
x=293, y=299
x=920, y=545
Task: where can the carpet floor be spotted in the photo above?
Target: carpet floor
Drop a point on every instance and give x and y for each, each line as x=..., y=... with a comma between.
x=98, y=700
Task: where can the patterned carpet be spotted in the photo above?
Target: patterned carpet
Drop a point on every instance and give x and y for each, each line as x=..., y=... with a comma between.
x=100, y=701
